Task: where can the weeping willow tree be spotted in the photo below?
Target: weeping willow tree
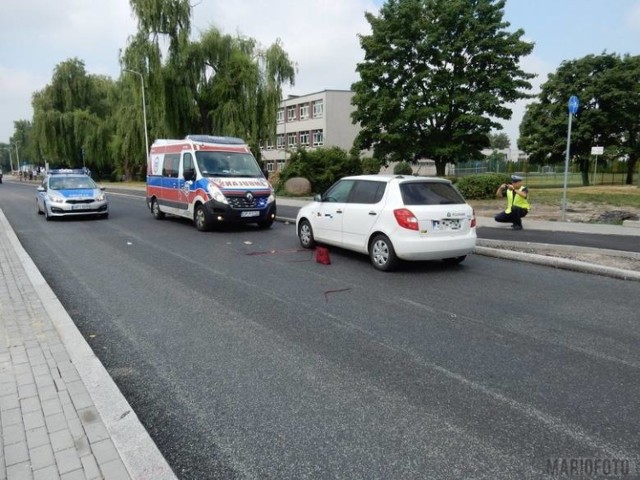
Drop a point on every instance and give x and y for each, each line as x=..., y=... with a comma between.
x=70, y=125
x=218, y=84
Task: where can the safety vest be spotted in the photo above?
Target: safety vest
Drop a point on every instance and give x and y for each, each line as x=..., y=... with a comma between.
x=518, y=201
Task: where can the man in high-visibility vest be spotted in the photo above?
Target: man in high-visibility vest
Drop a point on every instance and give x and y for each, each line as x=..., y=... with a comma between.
x=517, y=204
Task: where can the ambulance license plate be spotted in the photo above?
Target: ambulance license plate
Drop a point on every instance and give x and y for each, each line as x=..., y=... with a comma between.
x=252, y=213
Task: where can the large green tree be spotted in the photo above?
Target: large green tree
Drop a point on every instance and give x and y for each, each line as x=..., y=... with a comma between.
x=609, y=92
x=499, y=141
x=221, y=84
x=436, y=77
x=70, y=117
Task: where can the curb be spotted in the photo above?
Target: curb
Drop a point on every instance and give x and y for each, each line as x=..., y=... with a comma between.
x=137, y=450
x=491, y=248
x=561, y=263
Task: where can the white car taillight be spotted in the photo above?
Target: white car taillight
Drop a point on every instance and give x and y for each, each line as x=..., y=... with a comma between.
x=406, y=219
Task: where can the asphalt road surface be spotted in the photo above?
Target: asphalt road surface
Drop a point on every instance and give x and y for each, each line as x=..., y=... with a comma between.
x=244, y=358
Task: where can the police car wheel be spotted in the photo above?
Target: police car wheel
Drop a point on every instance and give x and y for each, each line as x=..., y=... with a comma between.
x=47, y=217
x=201, y=219
x=38, y=207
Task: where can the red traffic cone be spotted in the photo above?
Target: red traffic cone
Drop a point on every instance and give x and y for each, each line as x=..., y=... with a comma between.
x=322, y=256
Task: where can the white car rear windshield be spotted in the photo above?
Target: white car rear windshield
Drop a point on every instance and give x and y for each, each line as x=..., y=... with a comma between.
x=430, y=193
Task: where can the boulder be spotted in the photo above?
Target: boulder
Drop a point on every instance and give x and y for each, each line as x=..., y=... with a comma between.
x=297, y=186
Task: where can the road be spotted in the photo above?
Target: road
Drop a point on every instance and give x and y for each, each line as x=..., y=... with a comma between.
x=246, y=359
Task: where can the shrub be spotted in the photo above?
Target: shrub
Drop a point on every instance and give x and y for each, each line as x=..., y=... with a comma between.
x=371, y=166
x=322, y=167
x=480, y=187
x=402, y=168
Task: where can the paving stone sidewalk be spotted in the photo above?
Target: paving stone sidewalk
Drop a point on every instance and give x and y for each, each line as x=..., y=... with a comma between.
x=50, y=425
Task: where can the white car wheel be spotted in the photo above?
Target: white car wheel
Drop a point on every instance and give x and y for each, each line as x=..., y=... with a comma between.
x=305, y=234
x=383, y=256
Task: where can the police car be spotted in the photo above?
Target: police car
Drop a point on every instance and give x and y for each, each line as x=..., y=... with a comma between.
x=70, y=192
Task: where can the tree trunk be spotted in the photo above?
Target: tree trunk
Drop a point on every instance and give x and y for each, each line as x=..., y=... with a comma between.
x=631, y=166
x=584, y=170
x=441, y=165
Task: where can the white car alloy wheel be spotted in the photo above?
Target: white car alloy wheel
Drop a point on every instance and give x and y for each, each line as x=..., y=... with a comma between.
x=383, y=256
x=305, y=234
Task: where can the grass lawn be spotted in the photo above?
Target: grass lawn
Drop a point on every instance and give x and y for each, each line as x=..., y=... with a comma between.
x=618, y=196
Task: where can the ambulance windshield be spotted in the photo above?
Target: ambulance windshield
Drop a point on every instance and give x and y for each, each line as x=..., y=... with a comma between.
x=227, y=164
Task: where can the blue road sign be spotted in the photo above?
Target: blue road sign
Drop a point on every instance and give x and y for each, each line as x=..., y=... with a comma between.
x=573, y=104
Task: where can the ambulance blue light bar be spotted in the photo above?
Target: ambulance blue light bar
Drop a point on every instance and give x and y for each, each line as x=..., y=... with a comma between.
x=216, y=139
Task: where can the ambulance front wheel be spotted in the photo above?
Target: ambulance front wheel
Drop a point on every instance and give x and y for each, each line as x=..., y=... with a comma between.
x=155, y=210
x=201, y=219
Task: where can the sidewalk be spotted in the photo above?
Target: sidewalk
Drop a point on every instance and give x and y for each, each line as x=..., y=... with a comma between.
x=61, y=414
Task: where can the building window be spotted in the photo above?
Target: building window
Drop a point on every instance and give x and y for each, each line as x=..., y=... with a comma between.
x=280, y=142
x=318, y=109
x=304, y=111
x=292, y=140
x=281, y=165
x=291, y=114
x=270, y=144
x=304, y=139
x=318, y=138
x=280, y=115
x=269, y=166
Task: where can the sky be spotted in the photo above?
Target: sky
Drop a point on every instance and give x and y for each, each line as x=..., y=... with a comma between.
x=319, y=35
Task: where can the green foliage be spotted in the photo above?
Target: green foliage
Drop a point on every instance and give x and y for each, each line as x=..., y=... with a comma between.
x=322, y=167
x=402, y=168
x=71, y=114
x=371, y=166
x=609, y=94
x=436, y=78
x=499, y=141
x=480, y=187
x=220, y=84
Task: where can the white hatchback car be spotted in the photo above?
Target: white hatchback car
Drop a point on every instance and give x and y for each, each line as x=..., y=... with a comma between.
x=391, y=217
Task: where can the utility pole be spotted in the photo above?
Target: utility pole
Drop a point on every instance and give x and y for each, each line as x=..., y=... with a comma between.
x=144, y=110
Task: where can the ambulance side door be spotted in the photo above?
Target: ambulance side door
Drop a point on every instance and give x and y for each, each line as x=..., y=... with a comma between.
x=186, y=185
x=170, y=183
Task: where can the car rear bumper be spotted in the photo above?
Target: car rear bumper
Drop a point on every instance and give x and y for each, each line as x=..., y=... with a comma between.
x=425, y=248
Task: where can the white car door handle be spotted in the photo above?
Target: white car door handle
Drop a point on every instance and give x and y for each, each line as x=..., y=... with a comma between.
x=338, y=211
x=372, y=213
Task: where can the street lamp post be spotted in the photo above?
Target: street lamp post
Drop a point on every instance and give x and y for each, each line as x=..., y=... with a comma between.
x=144, y=110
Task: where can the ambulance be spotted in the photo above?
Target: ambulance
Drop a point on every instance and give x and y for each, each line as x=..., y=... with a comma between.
x=211, y=180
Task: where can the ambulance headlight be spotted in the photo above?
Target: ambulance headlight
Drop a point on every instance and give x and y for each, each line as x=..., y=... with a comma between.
x=216, y=194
